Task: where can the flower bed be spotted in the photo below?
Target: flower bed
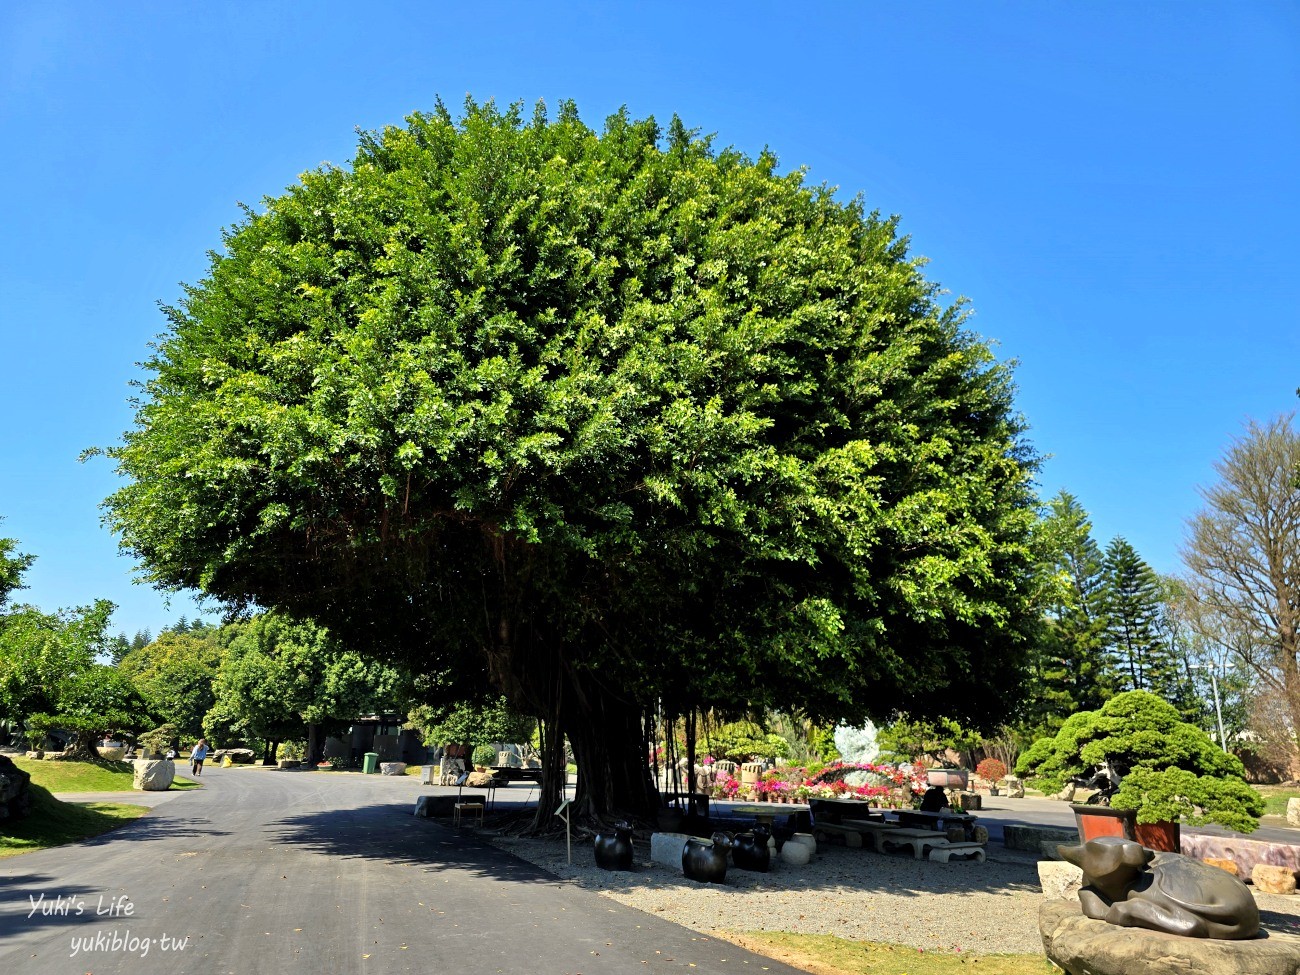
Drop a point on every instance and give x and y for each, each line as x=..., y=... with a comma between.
x=881, y=784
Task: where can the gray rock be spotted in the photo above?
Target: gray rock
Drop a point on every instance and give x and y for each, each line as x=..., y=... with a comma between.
x=1083, y=946
x=1030, y=838
x=154, y=775
x=1293, y=812
x=666, y=849
x=1059, y=879
x=424, y=806
x=392, y=768
x=15, y=790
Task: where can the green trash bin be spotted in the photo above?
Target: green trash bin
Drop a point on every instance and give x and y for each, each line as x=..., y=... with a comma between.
x=371, y=763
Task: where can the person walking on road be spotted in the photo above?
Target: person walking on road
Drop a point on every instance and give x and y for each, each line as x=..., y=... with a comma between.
x=198, y=755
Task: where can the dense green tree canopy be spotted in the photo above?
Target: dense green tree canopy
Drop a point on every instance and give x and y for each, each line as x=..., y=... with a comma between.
x=175, y=673
x=283, y=679
x=596, y=419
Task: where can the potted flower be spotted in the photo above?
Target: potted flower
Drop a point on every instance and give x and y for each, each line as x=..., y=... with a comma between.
x=1169, y=772
x=992, y=770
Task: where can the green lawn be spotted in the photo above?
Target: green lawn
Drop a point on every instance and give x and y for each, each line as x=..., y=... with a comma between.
x=826, y=953
x=1275, y=797
x=96, y=776
x=53, y=823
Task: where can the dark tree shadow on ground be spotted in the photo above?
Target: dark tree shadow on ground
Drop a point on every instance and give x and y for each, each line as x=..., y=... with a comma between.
x=390, y=833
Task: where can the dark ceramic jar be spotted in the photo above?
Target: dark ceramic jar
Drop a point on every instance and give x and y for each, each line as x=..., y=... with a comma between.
x=705, y=862
x=751, y=851
x=615, y=852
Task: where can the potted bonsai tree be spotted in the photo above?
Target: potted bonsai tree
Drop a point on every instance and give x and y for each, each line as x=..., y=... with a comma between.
x=1169, y=772
x=992, y=771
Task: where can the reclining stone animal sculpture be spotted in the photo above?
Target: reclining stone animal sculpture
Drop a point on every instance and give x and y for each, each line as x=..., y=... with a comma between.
x=1127, y=884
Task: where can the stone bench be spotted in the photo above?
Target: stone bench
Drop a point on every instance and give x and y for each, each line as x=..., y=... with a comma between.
x=851, y=835
x=1031, y=838
x=872, y=830
x=445, y=805
x=941, y=854
x=915, y=839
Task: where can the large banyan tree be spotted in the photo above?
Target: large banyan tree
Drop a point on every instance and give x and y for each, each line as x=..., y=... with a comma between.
x=606, y=422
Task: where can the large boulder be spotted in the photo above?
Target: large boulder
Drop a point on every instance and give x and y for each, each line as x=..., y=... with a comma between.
x=154, y=775
x=1084, y=946
x=15, y=790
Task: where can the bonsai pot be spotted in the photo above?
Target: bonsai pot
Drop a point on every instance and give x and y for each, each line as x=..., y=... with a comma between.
x=1098, y=821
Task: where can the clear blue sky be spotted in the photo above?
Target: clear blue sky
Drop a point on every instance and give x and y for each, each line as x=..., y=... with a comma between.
x=1113, y=185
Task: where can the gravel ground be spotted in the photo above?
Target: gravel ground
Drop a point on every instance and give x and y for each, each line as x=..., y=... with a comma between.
x=989, y=907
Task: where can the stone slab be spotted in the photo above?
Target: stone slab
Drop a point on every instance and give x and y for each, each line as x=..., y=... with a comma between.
x=944, y=854
x=1059, y=879
x=1031, y=838
x=1245, y=853
x=1293, y=811
x=1083, y=946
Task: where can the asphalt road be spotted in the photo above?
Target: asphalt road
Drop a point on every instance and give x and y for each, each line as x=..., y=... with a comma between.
x=328, y=874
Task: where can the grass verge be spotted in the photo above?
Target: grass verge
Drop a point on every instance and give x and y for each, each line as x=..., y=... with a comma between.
x=824, y=954
x=95, y=776
x=1275, y=797
x=53, y=823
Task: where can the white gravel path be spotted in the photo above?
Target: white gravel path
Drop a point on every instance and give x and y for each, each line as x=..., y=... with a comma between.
x=989, y=907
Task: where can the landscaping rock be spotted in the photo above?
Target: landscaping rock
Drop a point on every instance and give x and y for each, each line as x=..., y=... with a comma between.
x=15, y=790
x=154, y=775
x=1293, y=812
x=480, y=780
x=1030, y=838
x=424, y=806
x=1060, y=879
x=666, y=849
x=1084, y=946
x=398, y=768
x=1273, y=879
x=1228, y=865
x=1016, y=788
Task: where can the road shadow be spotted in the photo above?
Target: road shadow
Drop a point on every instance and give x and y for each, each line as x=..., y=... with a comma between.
x=388, y=832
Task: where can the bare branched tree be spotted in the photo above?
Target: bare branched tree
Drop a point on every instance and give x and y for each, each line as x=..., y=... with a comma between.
x=1243, y=558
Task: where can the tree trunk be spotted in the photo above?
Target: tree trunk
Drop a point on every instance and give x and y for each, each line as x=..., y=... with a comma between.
x=553, y=774
x=315, y=743
x=81, y=746
x=613, y=774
